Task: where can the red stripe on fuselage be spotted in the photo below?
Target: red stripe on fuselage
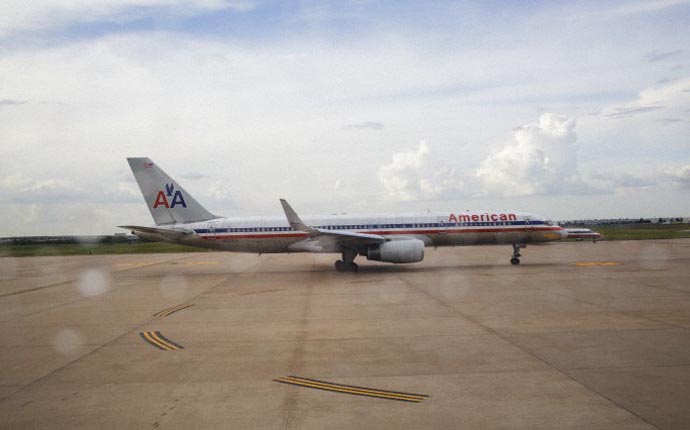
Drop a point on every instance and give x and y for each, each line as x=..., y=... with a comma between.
x=386, y=233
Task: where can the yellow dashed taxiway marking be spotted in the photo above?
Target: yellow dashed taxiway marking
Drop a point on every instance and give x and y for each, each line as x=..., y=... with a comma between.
x=166, y=312
x=200, y=263
x=132, y=265
x=351, y=389
x=156, y=339
x=596, y=263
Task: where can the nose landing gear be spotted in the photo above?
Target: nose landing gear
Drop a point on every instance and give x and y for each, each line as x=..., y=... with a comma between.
x=516, y=253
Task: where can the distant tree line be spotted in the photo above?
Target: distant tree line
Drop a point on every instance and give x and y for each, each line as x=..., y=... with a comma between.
x=624, y=221
x=68, y=240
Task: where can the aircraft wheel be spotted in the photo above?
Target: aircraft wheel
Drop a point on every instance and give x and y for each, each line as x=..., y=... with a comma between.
x=354, y=267
x=339, y=266
x=514, y=261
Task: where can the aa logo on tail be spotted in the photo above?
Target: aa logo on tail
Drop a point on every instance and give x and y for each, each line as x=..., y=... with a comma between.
x=170, y=192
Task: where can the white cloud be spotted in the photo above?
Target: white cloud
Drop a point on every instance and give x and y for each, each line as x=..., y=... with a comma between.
x=649, y=6
x=657, y=55
x=368, y=125
x=10, y=102
x=668, y=99
x=216, y=194
x=18, y=15
x=412, y=176
x=680, y=175
x=541, y=160
x=264, y=116
x=19, y=188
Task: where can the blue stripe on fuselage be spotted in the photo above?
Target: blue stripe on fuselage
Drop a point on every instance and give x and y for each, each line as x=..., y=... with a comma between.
x=373, y=226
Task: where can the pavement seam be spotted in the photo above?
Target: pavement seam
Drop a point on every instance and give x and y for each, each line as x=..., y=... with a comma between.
x=69, y=281
x=296, y=360
x=72, y=301
x=627, y=313
x=658, y=321
x=531, y=353
x=29, y=314
x=127, y=333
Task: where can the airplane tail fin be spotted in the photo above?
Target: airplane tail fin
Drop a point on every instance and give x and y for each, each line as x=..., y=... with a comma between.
x=168, y=202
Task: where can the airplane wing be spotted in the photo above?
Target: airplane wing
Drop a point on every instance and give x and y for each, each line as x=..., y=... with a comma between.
x=164, y=233
x=321, y=240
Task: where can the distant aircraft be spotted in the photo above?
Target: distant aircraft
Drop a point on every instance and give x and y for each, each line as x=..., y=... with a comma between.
x=582, y=234
x=179, y=218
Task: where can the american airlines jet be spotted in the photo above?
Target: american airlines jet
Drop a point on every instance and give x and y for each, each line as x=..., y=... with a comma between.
x=179, y=218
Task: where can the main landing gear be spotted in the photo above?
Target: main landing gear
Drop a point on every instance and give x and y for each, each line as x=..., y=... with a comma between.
x=516, y=254
x=347, y=264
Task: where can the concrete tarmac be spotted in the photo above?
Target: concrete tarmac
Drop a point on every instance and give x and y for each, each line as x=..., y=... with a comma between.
x=579, y=336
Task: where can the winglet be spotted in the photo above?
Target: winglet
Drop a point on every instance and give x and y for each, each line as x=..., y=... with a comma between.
x=294, y=220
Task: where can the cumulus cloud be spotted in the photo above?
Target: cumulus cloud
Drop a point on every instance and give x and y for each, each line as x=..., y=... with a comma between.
x=412, y=176
x=19, y=15
x=541, y=160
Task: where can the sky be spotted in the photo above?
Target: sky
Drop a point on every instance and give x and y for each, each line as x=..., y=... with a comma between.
x=568, y=109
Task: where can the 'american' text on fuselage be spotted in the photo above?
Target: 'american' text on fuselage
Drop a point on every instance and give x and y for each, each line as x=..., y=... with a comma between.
x=481, y=217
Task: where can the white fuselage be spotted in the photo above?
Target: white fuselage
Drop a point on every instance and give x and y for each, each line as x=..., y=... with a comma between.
x=389, y=238
x=273, y=235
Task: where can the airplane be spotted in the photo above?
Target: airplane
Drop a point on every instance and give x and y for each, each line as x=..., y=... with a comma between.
x=582, y=234
x=390, y=238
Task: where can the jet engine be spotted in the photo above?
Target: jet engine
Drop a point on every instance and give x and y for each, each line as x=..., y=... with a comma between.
x=397, y=251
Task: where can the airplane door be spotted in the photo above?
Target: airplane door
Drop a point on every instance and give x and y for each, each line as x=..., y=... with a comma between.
x=528, y=224
x=211, y=231
x=442, y=226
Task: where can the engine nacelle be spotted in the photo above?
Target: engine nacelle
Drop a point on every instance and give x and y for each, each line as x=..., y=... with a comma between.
x=397, y=251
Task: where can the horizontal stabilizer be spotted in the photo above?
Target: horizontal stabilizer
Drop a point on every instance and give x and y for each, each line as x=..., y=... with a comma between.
x=158, y=233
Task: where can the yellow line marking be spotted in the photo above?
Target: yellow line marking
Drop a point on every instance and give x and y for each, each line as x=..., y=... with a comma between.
x=347, y=391
x=153, y=341
x=363, y=389
x=201, y=263
x=596, y=263
x=166, y=312
x=156, y=339
x=390, y=395
x=164, y=341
